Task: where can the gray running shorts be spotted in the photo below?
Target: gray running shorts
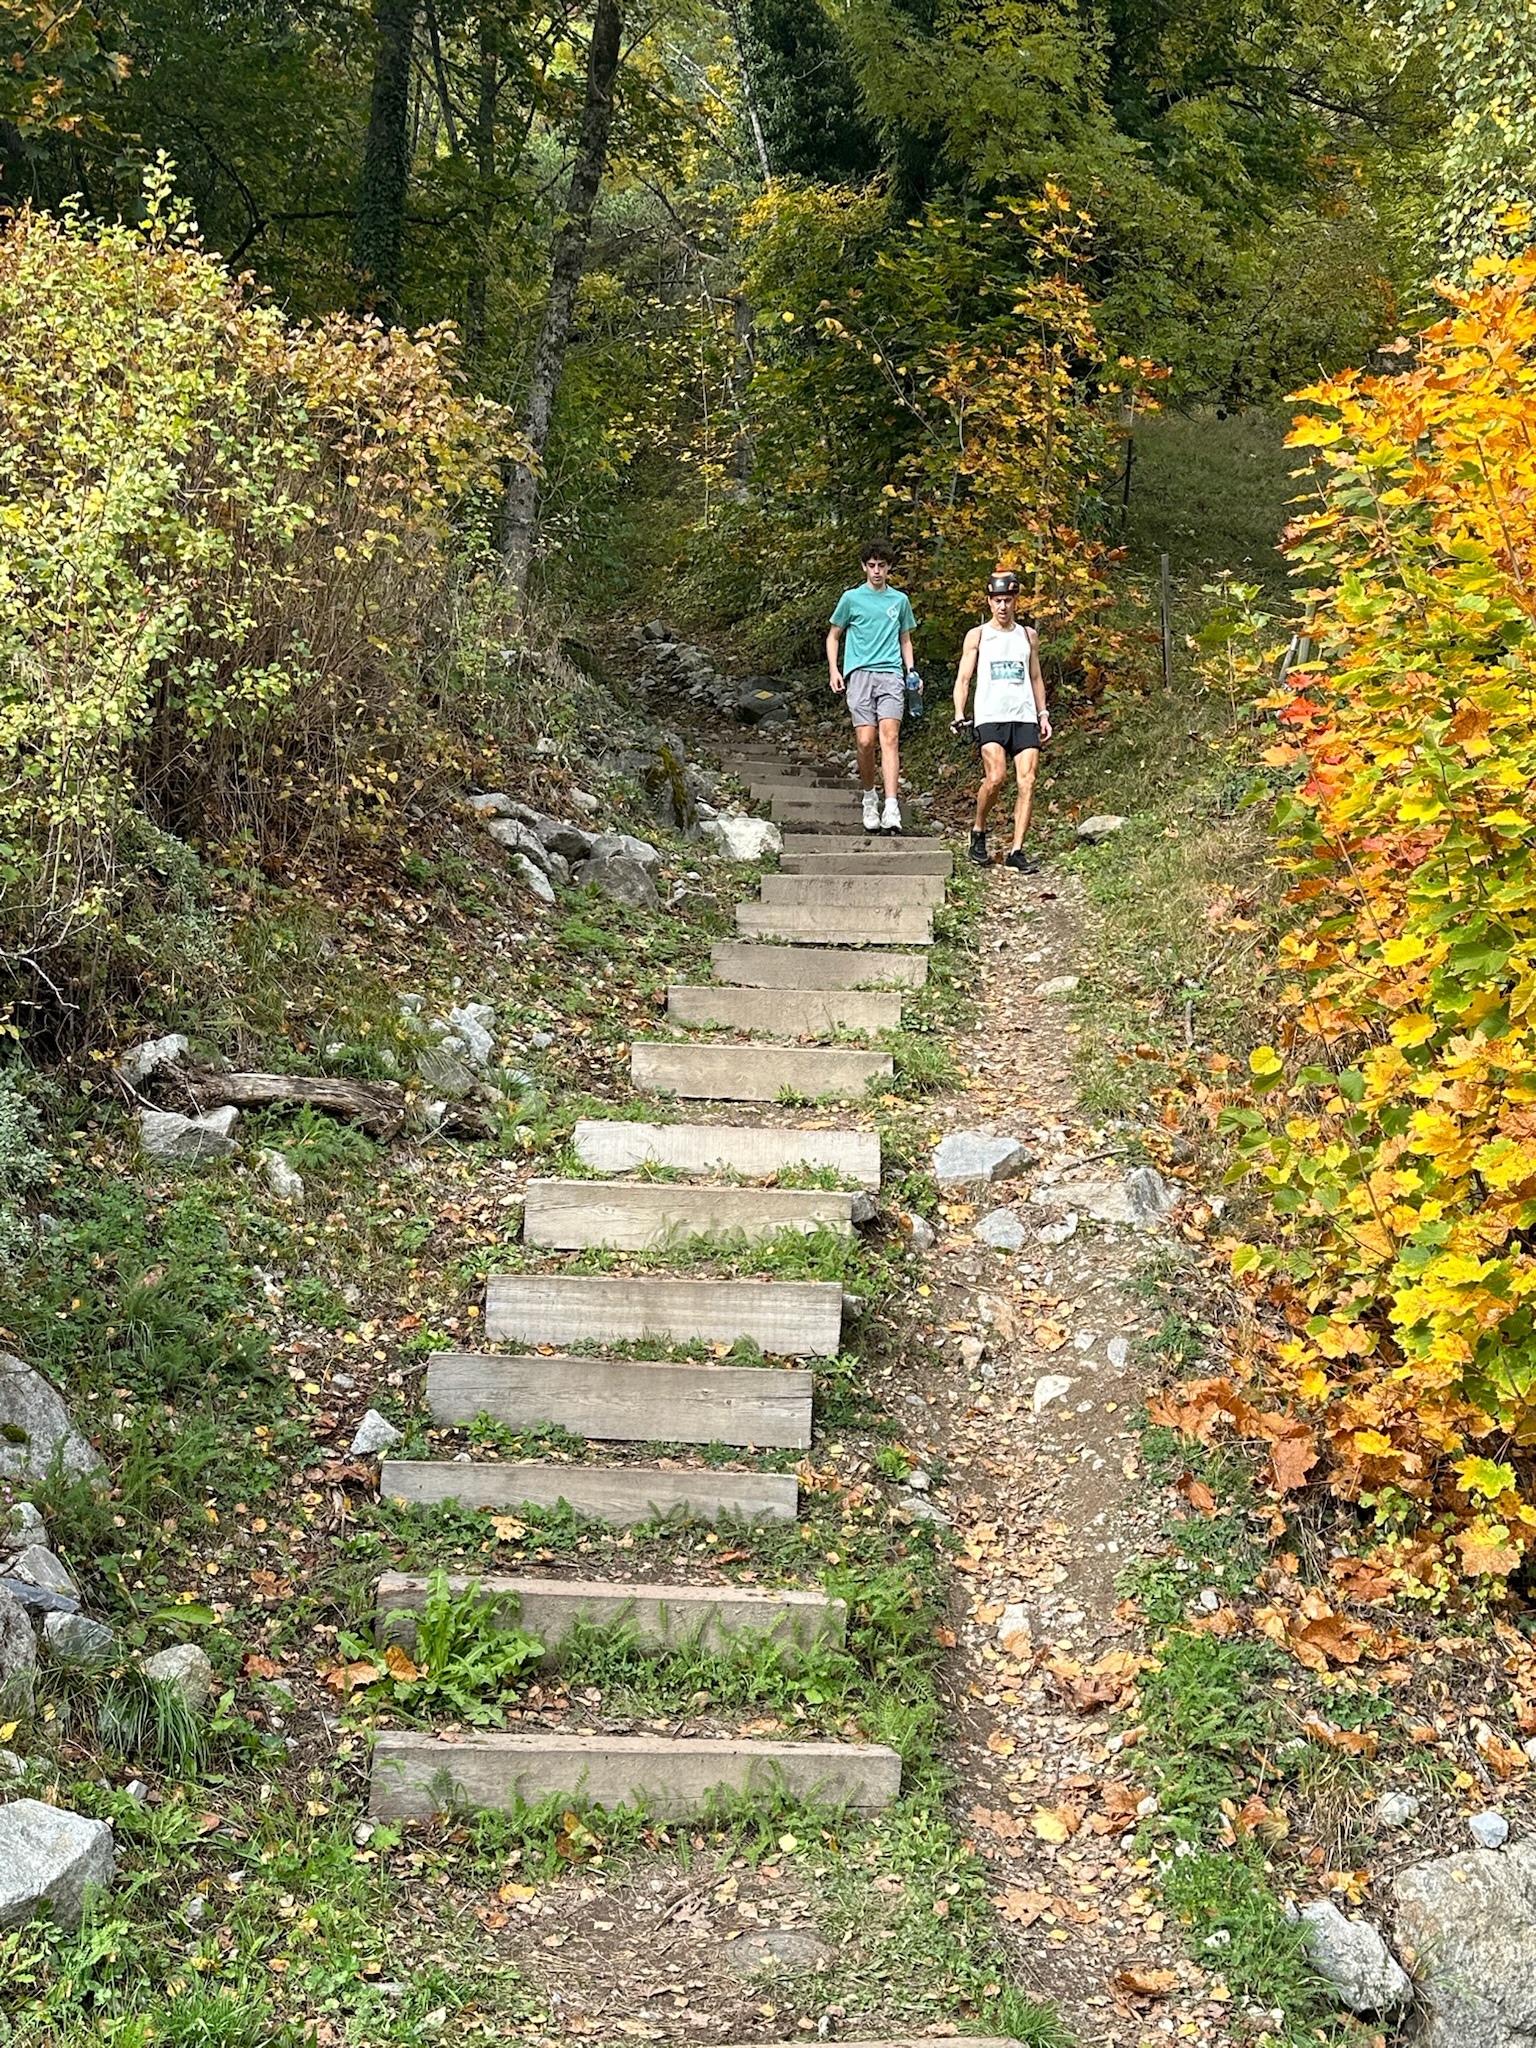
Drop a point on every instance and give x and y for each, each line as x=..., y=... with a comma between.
x=875, y=693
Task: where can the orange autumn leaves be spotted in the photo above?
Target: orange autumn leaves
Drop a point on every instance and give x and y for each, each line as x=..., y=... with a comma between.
x=1395, y=1122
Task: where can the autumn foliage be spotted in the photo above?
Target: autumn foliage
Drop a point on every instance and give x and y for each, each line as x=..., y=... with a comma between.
x=1396, y=1125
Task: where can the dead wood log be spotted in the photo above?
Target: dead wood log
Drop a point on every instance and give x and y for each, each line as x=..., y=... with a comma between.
x=378, y=1106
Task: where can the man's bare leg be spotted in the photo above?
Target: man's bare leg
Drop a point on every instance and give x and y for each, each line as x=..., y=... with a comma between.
x=890, y=755
x=994, y=773
x=864, y=741
x=1024, y=766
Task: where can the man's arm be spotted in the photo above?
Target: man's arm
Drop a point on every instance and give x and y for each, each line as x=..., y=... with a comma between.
x=966, y=670
x=1037, y=679
x=907, y=661
x=834, y=642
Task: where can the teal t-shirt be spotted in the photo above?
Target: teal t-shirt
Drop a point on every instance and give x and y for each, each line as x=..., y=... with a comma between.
x=876, y=620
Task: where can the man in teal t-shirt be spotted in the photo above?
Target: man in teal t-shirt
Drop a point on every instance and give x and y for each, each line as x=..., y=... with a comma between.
x=871, y=665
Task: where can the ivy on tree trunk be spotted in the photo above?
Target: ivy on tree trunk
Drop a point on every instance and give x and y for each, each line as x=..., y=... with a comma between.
x=378, y=235
x=568, y=259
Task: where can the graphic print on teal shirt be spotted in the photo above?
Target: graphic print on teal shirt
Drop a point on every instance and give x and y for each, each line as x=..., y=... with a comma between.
x=876, y=620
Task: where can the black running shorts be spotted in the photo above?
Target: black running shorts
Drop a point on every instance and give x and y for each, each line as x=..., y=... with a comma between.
x=1014, y=738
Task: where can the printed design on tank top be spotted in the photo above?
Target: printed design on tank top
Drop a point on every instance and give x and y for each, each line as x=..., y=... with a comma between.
x=1004, y=692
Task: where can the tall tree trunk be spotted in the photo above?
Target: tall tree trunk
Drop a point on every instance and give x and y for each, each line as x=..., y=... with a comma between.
x=568, y=258
x=485, y=176
x=378, y=236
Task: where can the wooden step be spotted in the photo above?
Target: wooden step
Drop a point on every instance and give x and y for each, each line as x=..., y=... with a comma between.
x=785, y=1318
x=570, y=1215
x=894, y=892
x=823, y=807
x=616, y=1400
x=753, y=1150
x=754, y=1073
x=799, y=839
x=620, y=1494
x=662, y=1617
x=866, y=858
x=764, y=789
x=805, y=967
x=874, y=924
x=787, y=1012
x=415, y=1775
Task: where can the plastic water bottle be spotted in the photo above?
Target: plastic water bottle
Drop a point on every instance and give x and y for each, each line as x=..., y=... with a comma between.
x=914, y=685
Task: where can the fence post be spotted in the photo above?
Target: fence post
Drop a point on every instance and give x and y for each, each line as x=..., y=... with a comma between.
x=1167, y=632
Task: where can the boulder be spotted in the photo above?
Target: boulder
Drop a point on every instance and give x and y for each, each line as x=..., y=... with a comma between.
x=1002, y=1230
x=1355, y=1960
x=446, y=1069
x=18, y=1658
x=1467, y=1923
x=626, y=881
x=282, y=1179
x=741, y=838
x=762, y=707
x=185, y=1667
x=471, y=1023
x=535, y=878
x=1093, y=830
x=166, y=1134
x=569, y=841
x=76, y=1639
x=37, y=1566
x=625, y=846
x=973, y=1156
x=141, y=1061
x=49, y=1860
x=37, y=1599
x=374, y=1433
x=1143, y=1199
x=36, y=1428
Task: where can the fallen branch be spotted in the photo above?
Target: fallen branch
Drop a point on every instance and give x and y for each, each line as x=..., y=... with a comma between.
x=379, y=1106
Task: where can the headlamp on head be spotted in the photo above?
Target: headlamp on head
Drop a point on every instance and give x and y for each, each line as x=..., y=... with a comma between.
x=1003, y=583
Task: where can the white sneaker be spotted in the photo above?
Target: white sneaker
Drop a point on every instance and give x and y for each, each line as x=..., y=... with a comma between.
x=891, y=819
x=871, y=811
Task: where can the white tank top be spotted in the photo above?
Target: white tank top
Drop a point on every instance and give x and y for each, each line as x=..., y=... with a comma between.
x=1004, y=692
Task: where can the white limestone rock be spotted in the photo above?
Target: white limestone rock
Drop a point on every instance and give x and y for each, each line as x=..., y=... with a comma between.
x=284, y=1180
x=76, y=1639
x=375, y=1433
x=740, y=838
x=49, y=1860
x=1095, y=830
x=187, y=1140
x=36, y=1429
x=1002, y=1230
x=186, y=1667
x=18, y=1659
x=1355, y=1960
x=967, y=1156
x=141, y=1061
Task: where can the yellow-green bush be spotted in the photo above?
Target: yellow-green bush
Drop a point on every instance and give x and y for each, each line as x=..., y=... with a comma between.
x=224, y=544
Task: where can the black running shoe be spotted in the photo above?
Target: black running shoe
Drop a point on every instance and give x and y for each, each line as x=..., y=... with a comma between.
x=979, y=852
x=1020, y=862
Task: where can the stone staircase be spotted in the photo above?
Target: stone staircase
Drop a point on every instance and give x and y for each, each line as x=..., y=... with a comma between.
x=852, y=899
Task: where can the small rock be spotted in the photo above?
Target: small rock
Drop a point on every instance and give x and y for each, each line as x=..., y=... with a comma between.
x=445, y=1069
x=343, y=1379
x=542, y=1040
x=973, y=1156
x=1396, y=1809
x=496, y=804
x=1489, y=1830
x=1052, y=1386
x=141, y=1061
x=568, y=841
x=137, y=1791
x=76, y=1639
x=374, y=1433
x=920, y=1231
x=37, y=1566
x=1119, y=1349
x=26, y=1523
x=585, y=801
x=1096, y=829
x=923, y=1510
x=854, y=1305
x=1058, y=1233
x=1210, y=1599
x=184, y=1666
x=18, y=1659
x=863, y=1208
x=49, y=1859
x=36, y=1429
x=537, y=882
x=37, y=1599
x=1063, y=985
x=616, y=876
x=1355, y=1960
x=625, y=846
x=471, y=1025
x=1150, y=1196
x=194, y=1909
x=166, y=1134
x=284, y=1180
x=918, y=1480
x=741, y=838
x=972, y=1351
x=1011, y=1623
x=11, y=1765
x=1002, y=1230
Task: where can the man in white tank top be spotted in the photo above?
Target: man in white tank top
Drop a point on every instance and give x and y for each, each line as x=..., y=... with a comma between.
x=1011, y=719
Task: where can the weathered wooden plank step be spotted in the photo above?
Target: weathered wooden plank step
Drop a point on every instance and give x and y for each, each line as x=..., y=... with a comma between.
x=765, y=788
x=788, y=1012
x=753, y=1150
x=570, y=1215
x=786, y=1318
x=865, y=857
x=415, y=1774
x=831, y=923
x=891, y=892
x=662, y=1617
x=824, y=807
x=876, y=845
x=850, y=966
x=620, y=1494
x=618, y=1400
x=754, y=1073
